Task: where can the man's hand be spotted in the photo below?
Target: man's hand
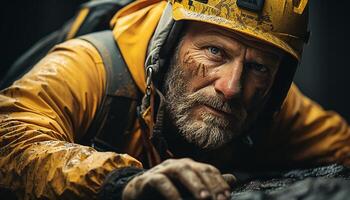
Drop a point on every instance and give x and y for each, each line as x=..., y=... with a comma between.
x=202, y=181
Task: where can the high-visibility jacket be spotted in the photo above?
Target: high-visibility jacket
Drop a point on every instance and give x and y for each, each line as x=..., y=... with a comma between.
x=44, y=115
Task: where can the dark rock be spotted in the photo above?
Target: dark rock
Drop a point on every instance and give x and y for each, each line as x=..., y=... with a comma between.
x=308, y=189
x=322, y=183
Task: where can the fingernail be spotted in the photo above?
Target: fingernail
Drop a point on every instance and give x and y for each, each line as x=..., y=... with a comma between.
x=227, y=193
x=204, y=194
x=221, y=197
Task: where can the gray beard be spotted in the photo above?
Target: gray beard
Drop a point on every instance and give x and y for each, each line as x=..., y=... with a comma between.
x=209, y=131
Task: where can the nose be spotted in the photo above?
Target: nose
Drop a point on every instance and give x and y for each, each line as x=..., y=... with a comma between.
x=229, y=80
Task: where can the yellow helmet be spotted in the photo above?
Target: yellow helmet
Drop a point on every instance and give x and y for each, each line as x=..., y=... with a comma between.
x=281, y=23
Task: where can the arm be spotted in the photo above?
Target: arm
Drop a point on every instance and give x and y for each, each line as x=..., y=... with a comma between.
x=42, y=115
x=306, y=134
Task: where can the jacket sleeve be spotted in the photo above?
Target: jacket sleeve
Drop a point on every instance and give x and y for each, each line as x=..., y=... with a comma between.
x=42, y=115
x=305, y=134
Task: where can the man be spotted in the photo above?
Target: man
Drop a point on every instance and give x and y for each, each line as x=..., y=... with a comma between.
x=216, y=83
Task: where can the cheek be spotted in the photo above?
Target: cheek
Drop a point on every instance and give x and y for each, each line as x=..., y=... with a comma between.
x=196, y=63
x=196, y=70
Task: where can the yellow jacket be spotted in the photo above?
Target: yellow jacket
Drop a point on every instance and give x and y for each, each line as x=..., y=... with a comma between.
x=46, y=112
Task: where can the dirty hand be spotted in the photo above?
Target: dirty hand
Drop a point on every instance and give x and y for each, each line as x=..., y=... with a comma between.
x=168, y=179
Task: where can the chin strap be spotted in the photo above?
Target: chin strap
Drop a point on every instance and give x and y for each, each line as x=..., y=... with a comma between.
x=146, y=119
x=146, y=100
x=158, y=138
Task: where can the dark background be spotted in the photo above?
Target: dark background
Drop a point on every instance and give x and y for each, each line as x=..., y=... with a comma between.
x=323, y=74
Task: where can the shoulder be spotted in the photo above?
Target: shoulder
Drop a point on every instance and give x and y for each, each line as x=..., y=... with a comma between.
x=78, y=47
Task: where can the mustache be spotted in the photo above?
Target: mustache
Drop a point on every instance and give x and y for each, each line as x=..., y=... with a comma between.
x=209, y=97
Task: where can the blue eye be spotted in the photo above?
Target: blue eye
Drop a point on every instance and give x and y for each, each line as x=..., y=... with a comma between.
x=257, y=67
x=214, y=50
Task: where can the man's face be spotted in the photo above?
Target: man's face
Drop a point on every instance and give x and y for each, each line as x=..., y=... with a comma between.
x=217, y=83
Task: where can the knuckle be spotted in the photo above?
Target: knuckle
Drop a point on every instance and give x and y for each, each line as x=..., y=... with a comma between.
x=211, y=169
x=167, y=162
x=216, y=171
x=161, y=177
x=157, y=178
x=184, y=166
x=189, y=160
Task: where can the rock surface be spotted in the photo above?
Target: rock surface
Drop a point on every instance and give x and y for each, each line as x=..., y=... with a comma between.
x=322, y=183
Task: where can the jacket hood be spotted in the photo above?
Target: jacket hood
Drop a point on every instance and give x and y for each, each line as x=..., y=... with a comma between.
x=133, y=28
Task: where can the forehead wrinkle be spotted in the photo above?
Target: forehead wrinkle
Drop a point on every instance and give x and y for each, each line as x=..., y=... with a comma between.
x=209, y=30
x=267, y=54
x=218, y=33
x=235, y=36
x=246, y=41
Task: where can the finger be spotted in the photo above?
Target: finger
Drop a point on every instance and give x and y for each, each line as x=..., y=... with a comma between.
x=230, y=179
x=164, y=186
x=190, y=180
x=217, y=186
